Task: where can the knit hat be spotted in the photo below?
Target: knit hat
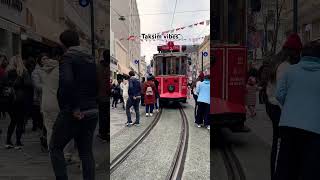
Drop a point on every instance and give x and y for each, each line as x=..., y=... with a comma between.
x=201, y=75
x=293, y=42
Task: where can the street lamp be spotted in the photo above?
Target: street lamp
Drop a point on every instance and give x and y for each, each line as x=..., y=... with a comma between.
x=85, y=3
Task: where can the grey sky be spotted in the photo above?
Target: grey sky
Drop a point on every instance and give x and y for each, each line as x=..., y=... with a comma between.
x=162, y=22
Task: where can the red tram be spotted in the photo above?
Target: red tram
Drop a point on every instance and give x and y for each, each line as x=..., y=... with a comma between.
x=170, y=69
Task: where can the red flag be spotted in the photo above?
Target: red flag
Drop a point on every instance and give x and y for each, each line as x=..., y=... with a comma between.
x=196, y=24
x=131, y=37
x=202, y=23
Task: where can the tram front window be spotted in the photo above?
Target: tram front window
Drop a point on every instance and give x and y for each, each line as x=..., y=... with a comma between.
x=170, y=65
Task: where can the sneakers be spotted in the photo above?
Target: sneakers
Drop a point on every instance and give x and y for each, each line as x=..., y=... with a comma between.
x=136, y=124
x=18, y=146
x=9, y=145
x=208, y=127
x=151, y=114
x=147, y=114
x=198, y=125
x=129, y=124
x=157, y=110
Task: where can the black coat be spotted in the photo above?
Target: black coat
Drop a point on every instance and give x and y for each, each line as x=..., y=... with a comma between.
x=78, y=87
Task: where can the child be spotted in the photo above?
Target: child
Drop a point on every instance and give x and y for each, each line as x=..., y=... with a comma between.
x=251, y=89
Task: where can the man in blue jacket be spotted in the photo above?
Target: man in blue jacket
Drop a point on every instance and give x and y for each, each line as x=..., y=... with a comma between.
x=77, y=98
x=298, y=93
x=134, y=99
x=203, y=91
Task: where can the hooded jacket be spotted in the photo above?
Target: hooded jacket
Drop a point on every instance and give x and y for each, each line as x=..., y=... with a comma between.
x=203, y=91
x=298, y=93
x=50, y=77
x=78, y=88
x=37, y=84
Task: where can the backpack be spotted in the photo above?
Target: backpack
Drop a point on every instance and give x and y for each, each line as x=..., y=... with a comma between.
x=149, y=91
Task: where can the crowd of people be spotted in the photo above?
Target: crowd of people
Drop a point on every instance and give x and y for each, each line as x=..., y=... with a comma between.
x=133, y=93
x=65, y=95
x=288, y=85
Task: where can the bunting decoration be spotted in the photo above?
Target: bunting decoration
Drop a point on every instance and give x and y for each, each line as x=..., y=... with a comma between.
x=207, y=22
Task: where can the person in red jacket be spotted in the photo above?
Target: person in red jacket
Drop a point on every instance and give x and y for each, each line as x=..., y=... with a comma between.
x=149, y=90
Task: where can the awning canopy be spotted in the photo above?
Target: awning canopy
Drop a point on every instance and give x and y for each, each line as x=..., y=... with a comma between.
x=123, y=69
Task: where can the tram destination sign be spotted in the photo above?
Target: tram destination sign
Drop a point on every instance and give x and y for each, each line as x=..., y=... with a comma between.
x=13, y=4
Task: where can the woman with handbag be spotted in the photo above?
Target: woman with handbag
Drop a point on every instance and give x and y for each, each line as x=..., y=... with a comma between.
x=18, y=82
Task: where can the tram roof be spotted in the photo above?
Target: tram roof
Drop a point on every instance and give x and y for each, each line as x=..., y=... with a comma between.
x=170, y=54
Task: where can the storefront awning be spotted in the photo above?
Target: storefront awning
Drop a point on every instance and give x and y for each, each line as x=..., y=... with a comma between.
x=123, y=69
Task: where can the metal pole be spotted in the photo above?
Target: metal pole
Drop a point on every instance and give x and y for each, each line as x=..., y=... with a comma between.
x=139, y=68
x=202, y=61
x=92, y=29
x=295, y=16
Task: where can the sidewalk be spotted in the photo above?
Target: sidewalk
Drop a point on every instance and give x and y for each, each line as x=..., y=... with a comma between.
x=32, y=164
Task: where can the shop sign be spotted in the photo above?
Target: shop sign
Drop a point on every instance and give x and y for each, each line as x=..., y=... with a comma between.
x=13, y=4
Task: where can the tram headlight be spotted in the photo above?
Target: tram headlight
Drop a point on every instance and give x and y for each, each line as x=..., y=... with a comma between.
x=171, y=88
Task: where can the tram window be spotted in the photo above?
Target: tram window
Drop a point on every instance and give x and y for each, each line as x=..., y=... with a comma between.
x=178, y=64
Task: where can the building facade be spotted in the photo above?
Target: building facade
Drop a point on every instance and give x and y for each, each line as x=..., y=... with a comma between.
x=121, y=55
x=12, y=20
x=204, y=60
x=31, y=27
x=143, y=66
x=308, y=19
x=129, y=26
x=192, y=51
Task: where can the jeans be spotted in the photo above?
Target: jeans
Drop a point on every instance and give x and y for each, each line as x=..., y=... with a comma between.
x=135, y=103
x=149, y=108
x=203, y=113
x=142, y=100
x=274, y=113
x=157, y=103
x=17, y=116
x=103, y=116
x=37, y=117
x=299, y=155
x=115, y=101
x=64, y=130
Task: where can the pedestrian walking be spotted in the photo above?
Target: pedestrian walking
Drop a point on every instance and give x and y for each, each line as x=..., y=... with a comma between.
x=298, y=94
x=150, y=96
x=156, y=83
x=115, y=93
x=142, y=93
x=125, y=90
x=103, y=100
x=203, y=91
x=251, y=96
x=3, y=104
x=134, y=99
x=17, y=83
x=77, y=99
x=36, y=115
x=289, y=55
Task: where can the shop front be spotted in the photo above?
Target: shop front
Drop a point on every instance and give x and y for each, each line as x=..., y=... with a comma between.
x=11, y=20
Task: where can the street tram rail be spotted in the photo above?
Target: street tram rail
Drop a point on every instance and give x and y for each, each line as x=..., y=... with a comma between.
x=177, y=165
x=126, y=152
x=232, y=164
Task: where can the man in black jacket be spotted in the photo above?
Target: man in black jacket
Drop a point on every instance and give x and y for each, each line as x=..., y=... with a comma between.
x=134, y=99
x=78, y=115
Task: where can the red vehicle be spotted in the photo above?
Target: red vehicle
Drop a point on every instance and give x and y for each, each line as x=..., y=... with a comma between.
x=228, y=66
x=228, y=83
x=170, y=69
